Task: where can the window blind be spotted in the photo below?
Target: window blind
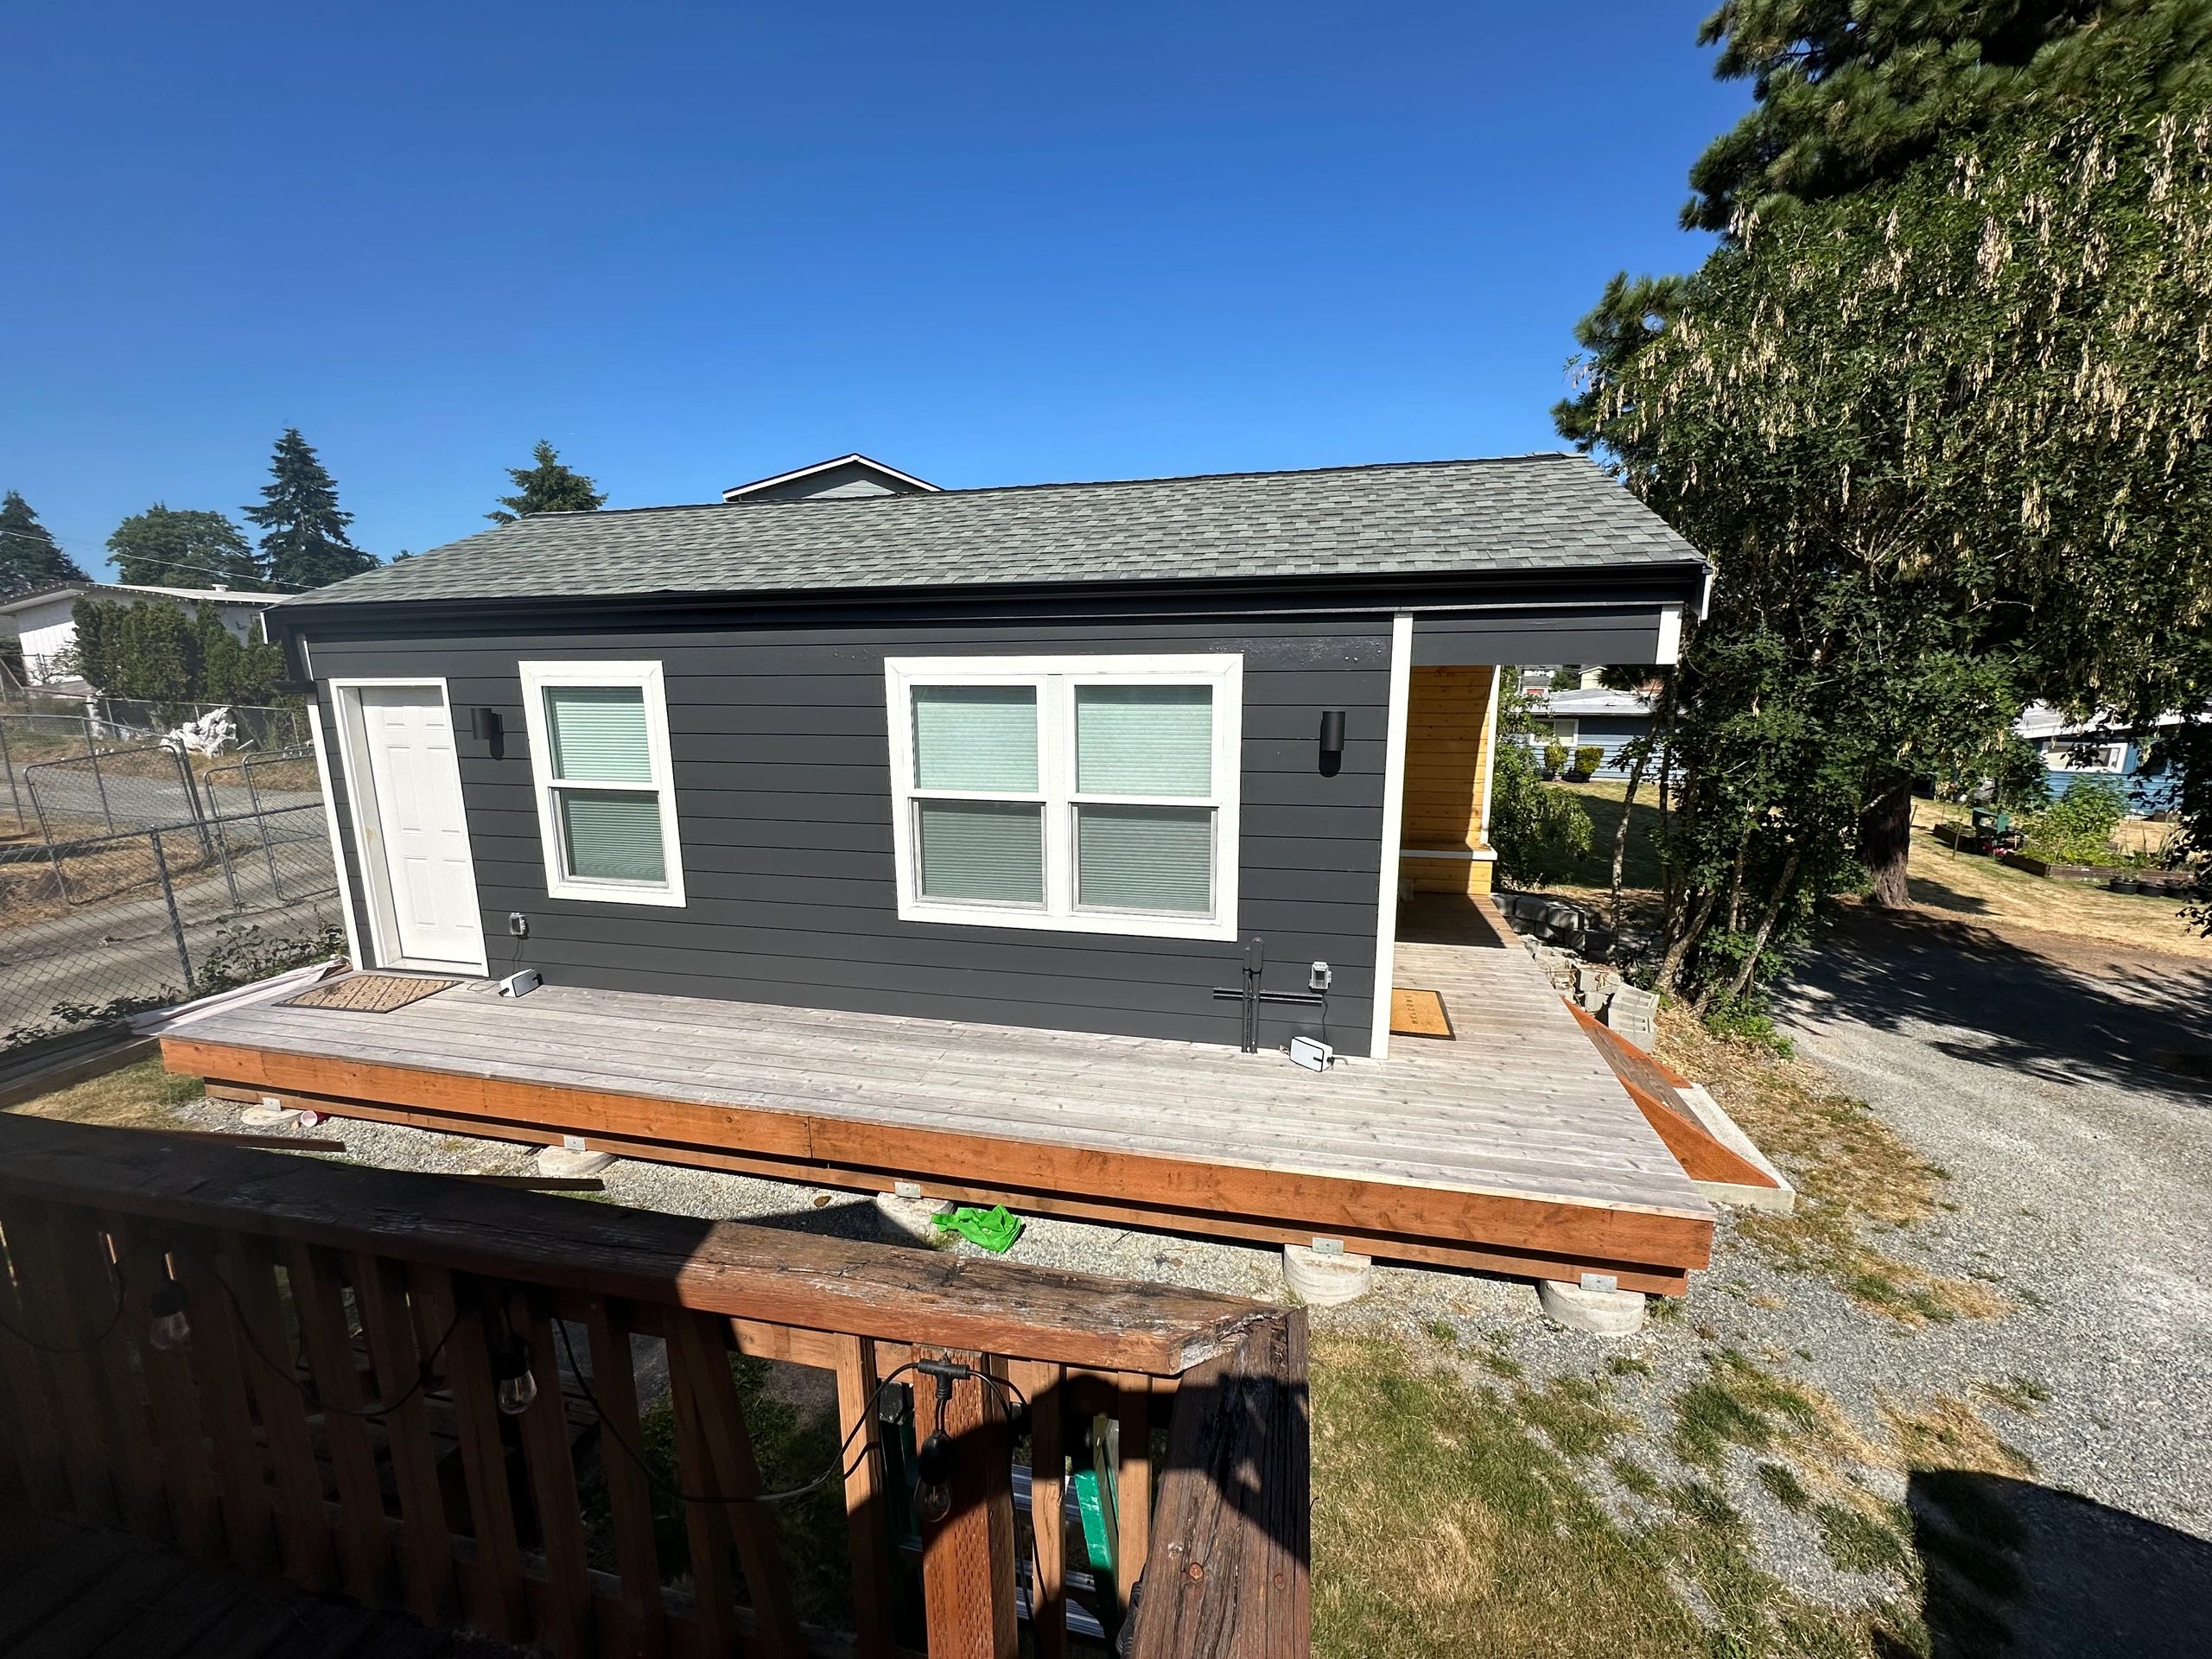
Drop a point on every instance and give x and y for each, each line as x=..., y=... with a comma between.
x=982, y=849
x=1144, y=739
x=1145, y=858
x=612, y=836
x=598, y=733
x=979, y=737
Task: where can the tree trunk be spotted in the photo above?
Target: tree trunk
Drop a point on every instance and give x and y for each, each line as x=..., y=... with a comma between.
x=1885, y=844
x=1620, y=836
x=1766, y=925
x=1671, y=964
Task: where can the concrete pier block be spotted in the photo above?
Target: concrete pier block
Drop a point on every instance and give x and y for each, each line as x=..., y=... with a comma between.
x=1601, y=1313
x=562, y=1163
x=1326, y=1279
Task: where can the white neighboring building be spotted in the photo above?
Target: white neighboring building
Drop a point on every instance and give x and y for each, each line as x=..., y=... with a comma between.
x=45, y=620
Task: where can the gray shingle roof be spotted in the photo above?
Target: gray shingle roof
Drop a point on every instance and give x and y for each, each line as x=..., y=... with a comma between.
x=1446, y=518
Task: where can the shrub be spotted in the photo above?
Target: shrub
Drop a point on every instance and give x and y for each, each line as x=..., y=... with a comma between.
x=1554, y=759
x=1588, y=757
x=1541, y=834
x=2076, y=827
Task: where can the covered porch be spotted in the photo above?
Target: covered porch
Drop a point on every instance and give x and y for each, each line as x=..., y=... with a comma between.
x=1508, y=1147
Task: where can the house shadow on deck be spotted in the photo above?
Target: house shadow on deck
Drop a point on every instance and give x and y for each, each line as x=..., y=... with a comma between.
x=2017, y=1568
x=1449, y=918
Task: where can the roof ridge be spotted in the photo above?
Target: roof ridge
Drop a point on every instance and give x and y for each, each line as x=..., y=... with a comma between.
x=939, y=493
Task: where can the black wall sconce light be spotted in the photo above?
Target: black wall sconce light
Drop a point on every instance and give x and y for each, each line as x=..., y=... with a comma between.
x=1333, y=740
x=485, y=724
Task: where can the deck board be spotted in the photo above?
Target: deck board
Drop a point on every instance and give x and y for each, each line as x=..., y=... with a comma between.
x=1518, y=1105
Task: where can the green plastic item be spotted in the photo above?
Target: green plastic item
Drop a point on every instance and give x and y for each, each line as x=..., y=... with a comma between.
x=995, y=1228
x=1097, y=1539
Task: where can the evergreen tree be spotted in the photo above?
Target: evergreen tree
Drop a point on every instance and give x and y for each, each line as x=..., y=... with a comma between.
x=169, y=547
x=29, y=556
x=547, y=487
x=1850, y=95
x=305, y=544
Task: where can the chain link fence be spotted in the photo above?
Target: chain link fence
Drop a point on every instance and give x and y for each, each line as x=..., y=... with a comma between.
x=97, y=926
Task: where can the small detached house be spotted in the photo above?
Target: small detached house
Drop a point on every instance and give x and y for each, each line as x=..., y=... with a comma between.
x=995, y=844
x=1595, y=717
x=2103, y=750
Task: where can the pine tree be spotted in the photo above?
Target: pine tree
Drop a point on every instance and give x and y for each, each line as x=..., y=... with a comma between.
x=547, y=487
x=169, y=547
x=306, y=544
x=1850, y=96
x=29, y=556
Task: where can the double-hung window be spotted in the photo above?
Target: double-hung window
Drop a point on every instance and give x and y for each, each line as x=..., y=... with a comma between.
x=606, y=794
x=1079, y=794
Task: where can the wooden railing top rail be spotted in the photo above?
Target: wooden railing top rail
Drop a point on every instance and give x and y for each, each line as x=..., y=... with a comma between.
x=764, y=1274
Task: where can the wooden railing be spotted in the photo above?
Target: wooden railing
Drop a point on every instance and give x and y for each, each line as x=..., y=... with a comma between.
x=318, y=1370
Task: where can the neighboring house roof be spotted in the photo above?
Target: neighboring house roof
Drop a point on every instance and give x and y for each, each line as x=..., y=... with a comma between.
x=2039, y=721
x=1594, y=700
x=841, y=474
x=1525, y=514
x=53, y=591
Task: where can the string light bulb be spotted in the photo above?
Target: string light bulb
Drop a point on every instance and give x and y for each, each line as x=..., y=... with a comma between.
x=933, y=1483
x=171, y=1329
x=518, y=1389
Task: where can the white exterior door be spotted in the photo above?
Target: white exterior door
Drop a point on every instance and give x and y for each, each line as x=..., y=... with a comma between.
x=417, y=839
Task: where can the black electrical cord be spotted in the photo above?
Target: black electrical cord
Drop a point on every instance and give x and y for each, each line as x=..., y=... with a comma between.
x=838, y=1464
x=106, y=1330
x=291, y=1374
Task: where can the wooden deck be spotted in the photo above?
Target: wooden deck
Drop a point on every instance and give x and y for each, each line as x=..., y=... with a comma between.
x=71, y=1592
x=1510, y=1147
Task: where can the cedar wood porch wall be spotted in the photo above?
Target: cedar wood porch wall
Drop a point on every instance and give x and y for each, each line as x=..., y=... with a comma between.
x=779, y=742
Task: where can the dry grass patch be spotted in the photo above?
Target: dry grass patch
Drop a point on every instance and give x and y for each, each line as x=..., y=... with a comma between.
x=141, y=1097
x=1851, y=1172
x=1947, y=1433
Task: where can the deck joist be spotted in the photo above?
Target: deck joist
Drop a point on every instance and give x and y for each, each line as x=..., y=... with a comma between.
x=1510, y=1148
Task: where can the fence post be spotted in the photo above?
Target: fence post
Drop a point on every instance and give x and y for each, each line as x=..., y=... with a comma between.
x=261, y=824
x=8, y=765
x=176, y=921
x=93, y=753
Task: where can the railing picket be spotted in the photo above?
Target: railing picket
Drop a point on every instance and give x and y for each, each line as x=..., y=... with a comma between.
x=553, y=1486
x=380, y=1291
x=1132, y=1481
x=318, y=1302
x=705, y=1526
x=497, y=1602
x=967, y=1597
x=703, y=1342
x=867, y=1524
x=304, y=1530
x=55, y=1316
x=219, y=1367
x=629, y=1494
x=94, y=1281
x=1048, y=1607
x=26, y=1412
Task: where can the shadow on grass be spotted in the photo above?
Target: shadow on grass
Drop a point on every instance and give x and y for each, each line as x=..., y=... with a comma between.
x=2014, y=1567
x=2138, y=1022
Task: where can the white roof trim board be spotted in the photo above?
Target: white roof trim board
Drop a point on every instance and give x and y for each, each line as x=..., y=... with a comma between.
x=68, y=589
x=738, y=492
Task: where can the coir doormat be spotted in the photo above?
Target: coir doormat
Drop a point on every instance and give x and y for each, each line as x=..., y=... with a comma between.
x=1418, y=1014
x=368, y=993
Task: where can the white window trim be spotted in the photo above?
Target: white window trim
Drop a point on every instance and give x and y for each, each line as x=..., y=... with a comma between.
x=1055, y=679
x=537, y=678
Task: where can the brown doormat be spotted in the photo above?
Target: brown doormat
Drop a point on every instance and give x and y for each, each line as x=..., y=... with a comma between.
x=1418, y=1013
x=368, y=993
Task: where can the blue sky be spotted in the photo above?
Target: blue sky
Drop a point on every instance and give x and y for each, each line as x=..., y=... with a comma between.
x=693, y=244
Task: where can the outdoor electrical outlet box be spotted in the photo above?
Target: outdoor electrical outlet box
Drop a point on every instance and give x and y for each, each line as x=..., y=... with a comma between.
x=1317, y=977
x=521, y=984
x=1312, y=1055
x=517, y=924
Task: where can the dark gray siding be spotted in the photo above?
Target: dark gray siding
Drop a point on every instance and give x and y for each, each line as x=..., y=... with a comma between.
x=1628, y=634
x=781, y=757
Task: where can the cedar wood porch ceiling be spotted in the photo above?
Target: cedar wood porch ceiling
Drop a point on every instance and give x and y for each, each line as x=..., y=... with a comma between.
x=1448, y=520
